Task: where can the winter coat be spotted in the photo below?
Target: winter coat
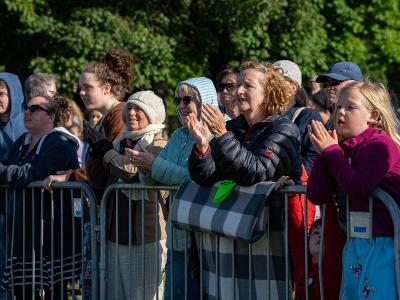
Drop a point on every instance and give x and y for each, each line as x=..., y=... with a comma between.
x=120, y=167
x=248, y=155
x=94, y=171
x=55, y=151
x=307, y=151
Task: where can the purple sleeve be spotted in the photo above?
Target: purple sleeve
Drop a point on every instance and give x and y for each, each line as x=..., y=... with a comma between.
x=321, y=184
x=364, y=175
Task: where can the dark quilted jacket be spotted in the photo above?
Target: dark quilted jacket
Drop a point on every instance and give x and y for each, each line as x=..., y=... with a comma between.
x=266, y=151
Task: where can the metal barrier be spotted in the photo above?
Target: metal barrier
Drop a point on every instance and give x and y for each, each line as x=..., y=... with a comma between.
x=38, y=226
x=117, y=191
x=124, y=245
x=216, y=243
x=39, y=206
x=394, y=211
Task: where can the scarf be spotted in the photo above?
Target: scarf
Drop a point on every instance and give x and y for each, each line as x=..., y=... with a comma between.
x=145, y=136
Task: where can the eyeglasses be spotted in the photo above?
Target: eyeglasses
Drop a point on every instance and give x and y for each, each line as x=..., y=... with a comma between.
x=229, y=85
x=186, y=100
x=35, y=107
x=333, y=82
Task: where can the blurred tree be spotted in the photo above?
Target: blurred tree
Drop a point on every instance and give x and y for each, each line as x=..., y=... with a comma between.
x=172, y=40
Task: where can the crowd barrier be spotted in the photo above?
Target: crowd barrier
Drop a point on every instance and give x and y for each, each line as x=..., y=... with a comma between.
x=84, y=209
x=135, y=194
x=45, y=234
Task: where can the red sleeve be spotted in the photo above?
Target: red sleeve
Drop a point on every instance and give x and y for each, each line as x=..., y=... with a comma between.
x=198, y=154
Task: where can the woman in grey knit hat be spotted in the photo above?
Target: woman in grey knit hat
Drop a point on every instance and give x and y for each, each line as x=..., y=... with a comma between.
x=143, y=116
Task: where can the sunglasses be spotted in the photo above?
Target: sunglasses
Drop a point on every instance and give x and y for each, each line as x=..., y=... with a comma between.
x=333, y=82
x=35, y=107
x=186, y=100
x=228, y=86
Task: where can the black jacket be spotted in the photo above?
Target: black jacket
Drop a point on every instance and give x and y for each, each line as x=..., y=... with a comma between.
x=266, y=151
x=307, y=150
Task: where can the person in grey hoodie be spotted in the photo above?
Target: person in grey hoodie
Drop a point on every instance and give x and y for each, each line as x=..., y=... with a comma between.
x=11, y=128
x=11, y=119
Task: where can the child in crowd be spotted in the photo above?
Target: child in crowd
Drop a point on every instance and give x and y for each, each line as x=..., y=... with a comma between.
x=367, y=157
x=334, y=239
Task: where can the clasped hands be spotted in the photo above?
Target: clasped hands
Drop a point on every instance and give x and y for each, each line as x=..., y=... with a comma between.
x=141, y=159
x=320, y=137
x=213, y=122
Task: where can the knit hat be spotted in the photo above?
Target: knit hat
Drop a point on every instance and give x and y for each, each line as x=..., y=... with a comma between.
x=205, y=89
x=150, y=103
x=289, y=69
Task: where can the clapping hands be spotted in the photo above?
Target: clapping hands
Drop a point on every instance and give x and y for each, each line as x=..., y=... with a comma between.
x=320, y=137
x=198, y=131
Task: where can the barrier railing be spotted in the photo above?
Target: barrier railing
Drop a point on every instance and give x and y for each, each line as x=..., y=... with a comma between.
x=39, y=213
x=44, y=240
x=128, y=199
x=394, y=211
x=130, y=190
x=286, y=192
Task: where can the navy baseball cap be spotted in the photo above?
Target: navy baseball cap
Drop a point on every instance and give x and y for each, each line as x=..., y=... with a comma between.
x=344, y=70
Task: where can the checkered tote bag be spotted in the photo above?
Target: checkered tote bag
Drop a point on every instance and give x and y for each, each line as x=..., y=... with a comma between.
x=240, y=216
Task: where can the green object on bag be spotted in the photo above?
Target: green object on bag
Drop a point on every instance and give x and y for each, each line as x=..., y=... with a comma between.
x=224, y=190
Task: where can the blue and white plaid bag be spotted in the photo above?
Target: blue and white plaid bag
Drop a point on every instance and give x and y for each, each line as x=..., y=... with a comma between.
x=242, y=215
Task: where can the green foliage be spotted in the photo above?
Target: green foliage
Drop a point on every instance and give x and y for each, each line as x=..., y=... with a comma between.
x=174, y=40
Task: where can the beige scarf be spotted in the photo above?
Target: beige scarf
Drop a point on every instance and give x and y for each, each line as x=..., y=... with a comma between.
x=145, y=136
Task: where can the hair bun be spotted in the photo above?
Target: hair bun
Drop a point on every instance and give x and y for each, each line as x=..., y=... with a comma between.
x=120, y=62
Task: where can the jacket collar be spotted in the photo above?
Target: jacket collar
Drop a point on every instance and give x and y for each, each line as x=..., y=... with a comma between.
x=350, y=145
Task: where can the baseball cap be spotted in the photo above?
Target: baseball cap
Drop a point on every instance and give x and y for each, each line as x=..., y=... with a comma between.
x=289, y=69
x=344, y=70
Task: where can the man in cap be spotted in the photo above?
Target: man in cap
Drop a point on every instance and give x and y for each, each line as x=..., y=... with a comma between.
x=340, y=75
x=301, y=116
x=297, y=112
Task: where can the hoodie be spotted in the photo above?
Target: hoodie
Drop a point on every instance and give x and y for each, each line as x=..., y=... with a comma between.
x=170, y=167
x=14, y=127
x=205, y=88
x=55, y=151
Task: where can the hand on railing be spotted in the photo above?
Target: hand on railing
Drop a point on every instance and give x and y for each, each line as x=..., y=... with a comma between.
x=60, y=177
x=281, y=182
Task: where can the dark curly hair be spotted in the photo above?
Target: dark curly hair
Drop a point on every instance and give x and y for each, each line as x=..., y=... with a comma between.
x=116, y=68
x=277, y=93
x=57, y=106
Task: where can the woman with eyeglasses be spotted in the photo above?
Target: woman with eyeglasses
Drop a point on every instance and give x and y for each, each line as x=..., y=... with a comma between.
x=170, y=167
x=226, y=87
x=35, y=155
x=262, y=144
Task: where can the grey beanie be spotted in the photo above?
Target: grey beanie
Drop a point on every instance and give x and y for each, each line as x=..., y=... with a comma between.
x=150, y=103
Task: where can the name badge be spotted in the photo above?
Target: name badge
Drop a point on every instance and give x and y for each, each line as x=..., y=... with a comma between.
x=77, y=207
x=359, y=225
